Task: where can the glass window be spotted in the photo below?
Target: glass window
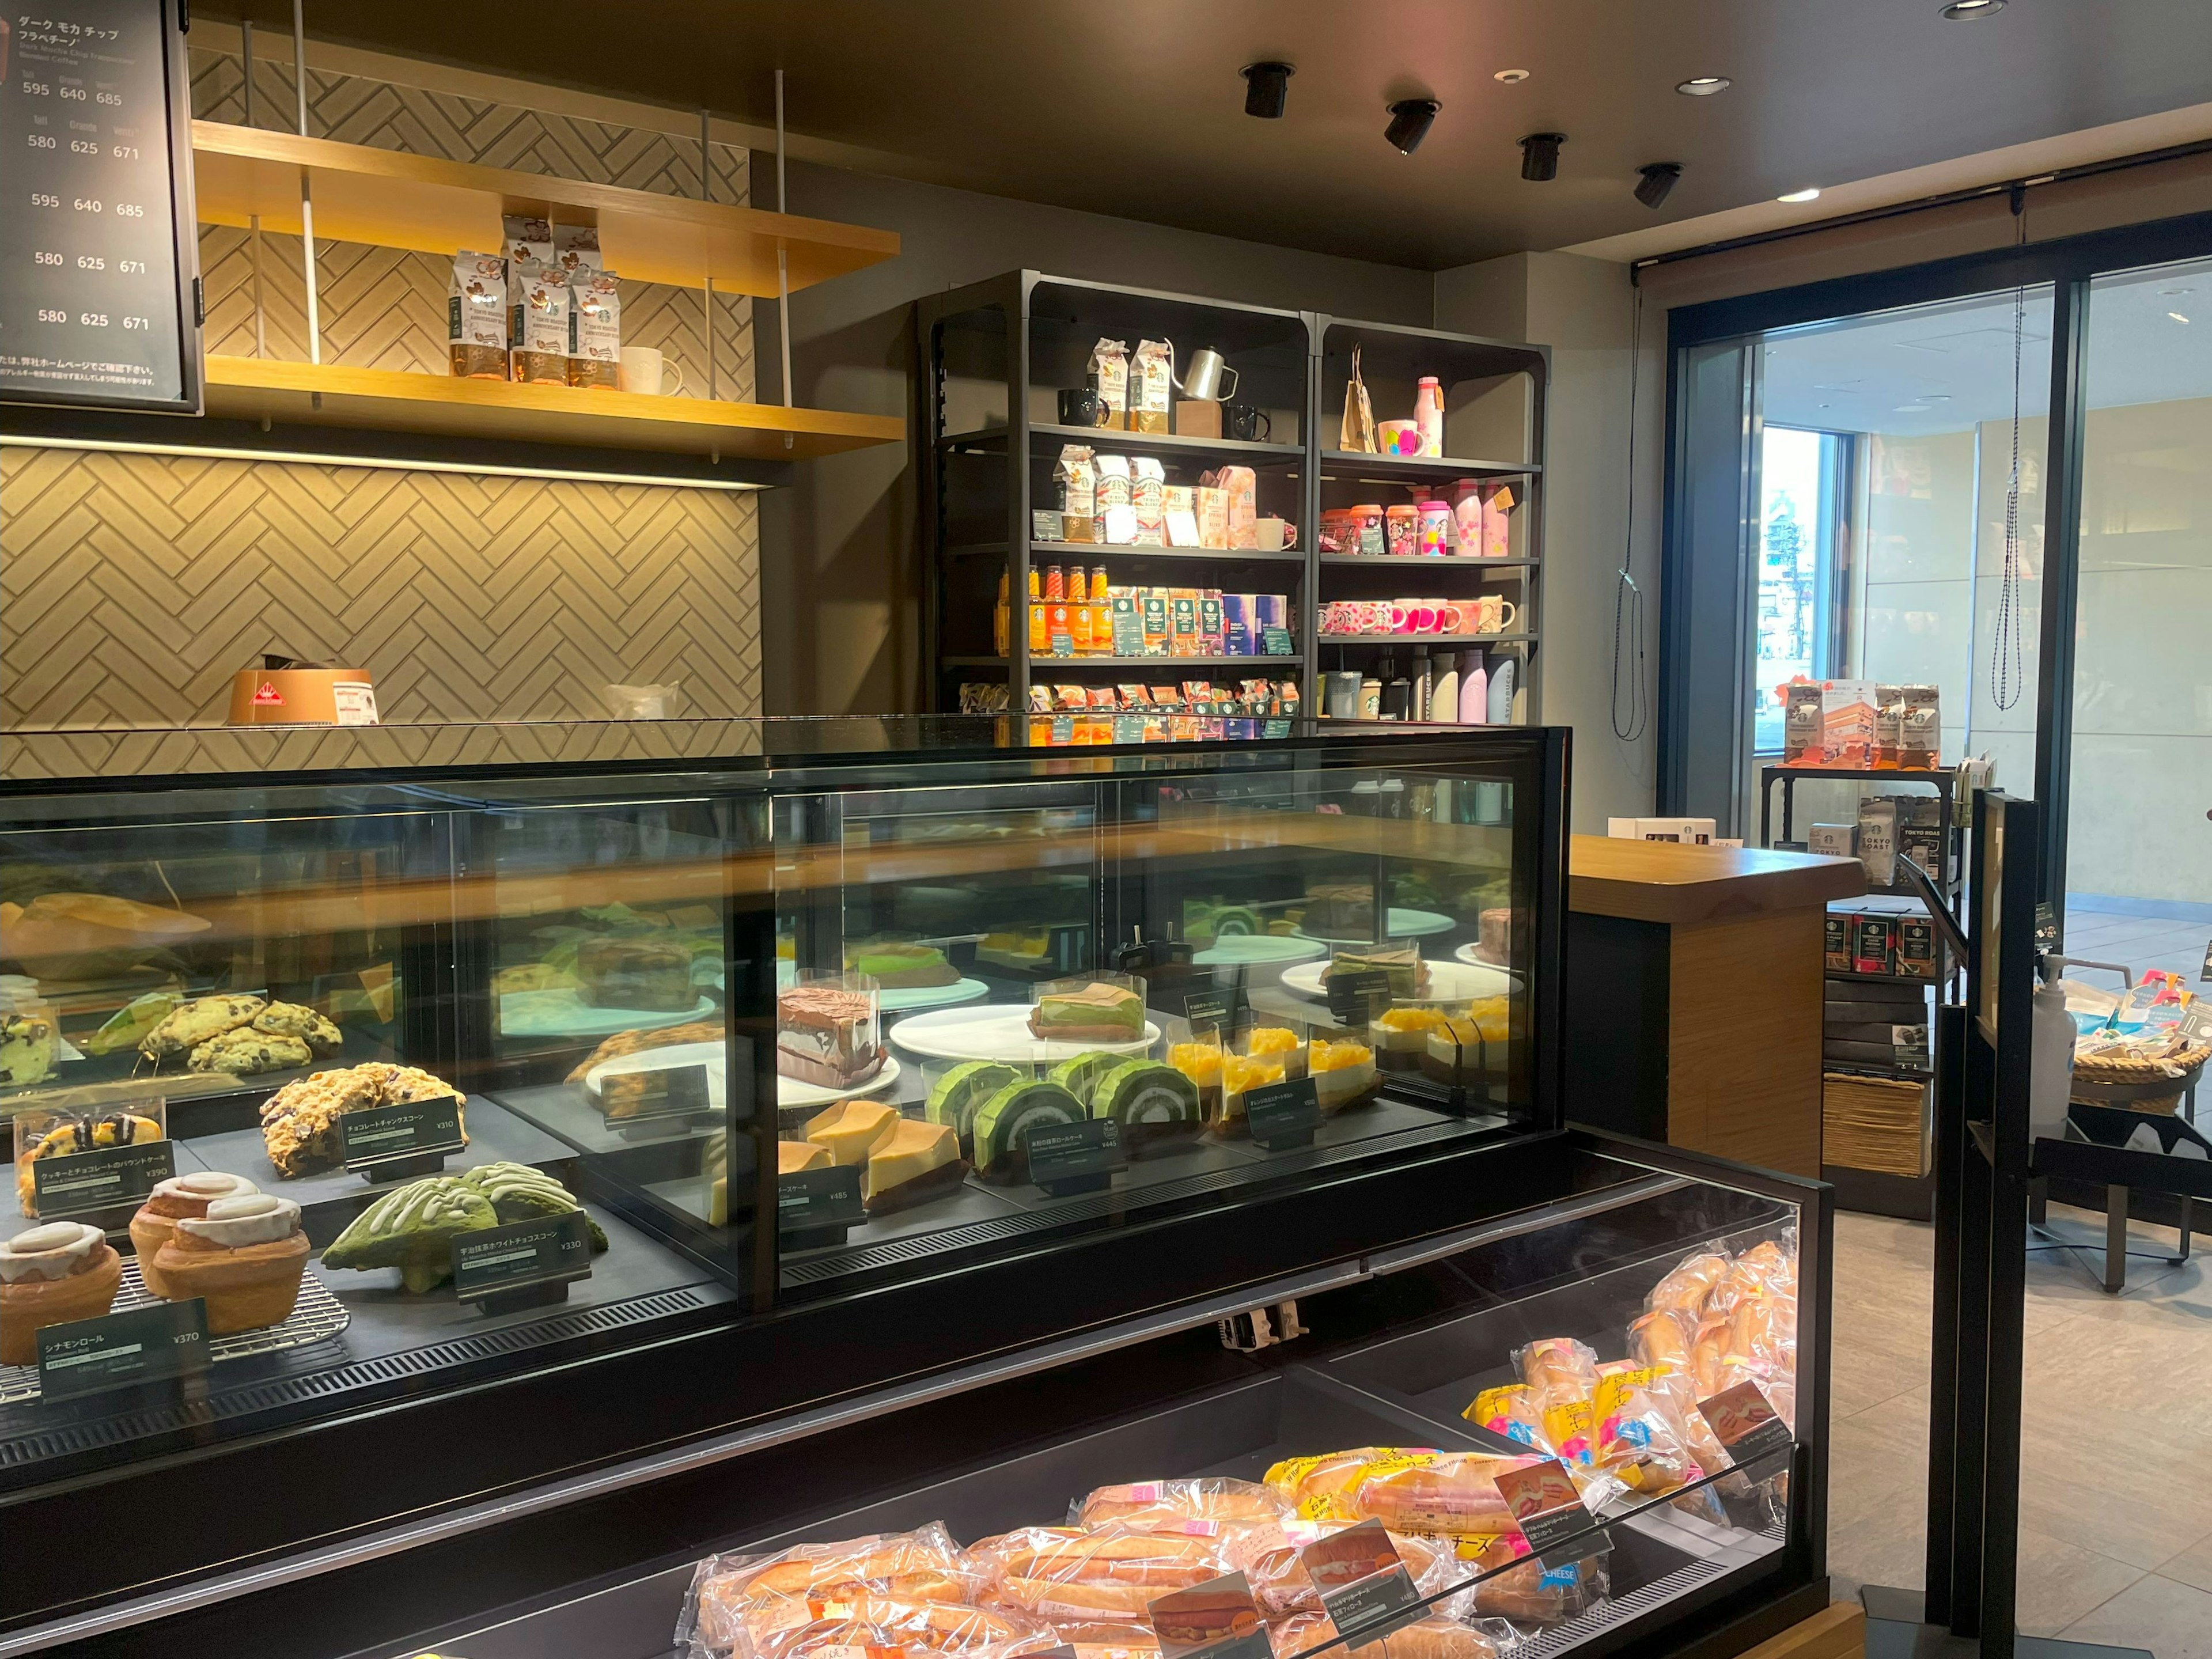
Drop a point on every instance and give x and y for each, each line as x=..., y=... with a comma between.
x=1799, y=546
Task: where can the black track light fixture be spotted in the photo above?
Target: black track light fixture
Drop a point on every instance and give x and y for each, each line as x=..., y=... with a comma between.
x=1410, y=121
x=1654, y=179
x=1267, y=88
x=1540, y=156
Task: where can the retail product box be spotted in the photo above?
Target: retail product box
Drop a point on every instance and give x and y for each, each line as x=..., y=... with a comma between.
x=1212, y=516
x=302, y=696
x=1874, y=945
x=1835, y=841
x=1917, y=948
x=1698, y=832
x=1847, y=722
x=1836, y=941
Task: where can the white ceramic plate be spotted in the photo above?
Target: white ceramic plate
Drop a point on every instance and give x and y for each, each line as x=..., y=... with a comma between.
x=1248, y=949
x=1448, y=980
x=789, y=1090
x=905, y=997
x=1404, y=924
x=1466, y=953
x=998, y=1032
x=562, y=1014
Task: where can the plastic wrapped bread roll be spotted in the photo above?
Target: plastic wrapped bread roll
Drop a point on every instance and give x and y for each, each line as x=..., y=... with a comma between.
x=1272, y=1560
x=924, y=1565
x=1240, y=1502
x=1562, y=1377
x=1115, y=1554
x=1432, y=1637
x=1449, y=1494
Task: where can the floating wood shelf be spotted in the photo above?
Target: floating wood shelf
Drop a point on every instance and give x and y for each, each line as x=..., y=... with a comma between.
x=266, y=388
x=390, y=199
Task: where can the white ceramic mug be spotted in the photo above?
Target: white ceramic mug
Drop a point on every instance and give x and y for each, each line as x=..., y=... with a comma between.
x=1495, y=614
x=643, y=368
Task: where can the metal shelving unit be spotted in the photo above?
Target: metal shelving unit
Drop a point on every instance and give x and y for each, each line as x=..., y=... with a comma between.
x=995, y=356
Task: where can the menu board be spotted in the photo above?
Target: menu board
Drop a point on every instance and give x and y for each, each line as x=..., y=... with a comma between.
x=97, y=240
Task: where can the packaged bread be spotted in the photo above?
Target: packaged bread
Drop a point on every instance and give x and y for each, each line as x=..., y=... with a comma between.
x=1271, y=1556
x=1432, y=1637
x=1562, y=1377
x=1636, y=1439
x=1511, y=1411
x=922, y=1565
x=1113, y=1553
x=1235, y=1502
x=1451, y=1494
x=1688, y=1285
x=1529, y=1593
x=838, y=1630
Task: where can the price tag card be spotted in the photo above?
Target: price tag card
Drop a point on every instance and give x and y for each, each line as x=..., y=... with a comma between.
x=1075, y=1156
x=1745, y=1424
x=1283, y=1115
x=1224, y=1010
x=1129, y=631
x=1217, y=1618
x=1276, y=642
x=815, y=1198
x=2047, y=927
x=676, y=1092
x=1063, y=645
x=105, y=1178
x=2194, y=1025
x=410, y=1129
x=1364, y=1587
x=157, y=1343
x=548, y=1250
x=1355, y=997
x=1550, y=1512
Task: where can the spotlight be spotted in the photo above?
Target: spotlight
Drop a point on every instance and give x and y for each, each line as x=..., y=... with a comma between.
x=1964, y=11
x=1512, y=77
x=1655, y=179
x=1266, y=88
x=1703, y=86
x=1809, y=194
x=1410, y=119
x=1540, y=155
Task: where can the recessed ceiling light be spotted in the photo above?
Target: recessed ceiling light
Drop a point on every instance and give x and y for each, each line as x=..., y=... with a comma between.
x=1799, y=196
x=2168, y=292
x=1964, y=11
x=1512, y=77
x=1703, y=86
x=1911, y=409
x=2177, y=316
x=1935, y=397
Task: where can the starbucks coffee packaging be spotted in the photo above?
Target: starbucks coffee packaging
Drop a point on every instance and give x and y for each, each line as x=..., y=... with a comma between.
x=1151, y=387
x=1148, y=495
x=1076, y=475
x=595, y=317
x=1836, y=941
x=537, y=310
x=576, y=248
x=1109, y=369
x=476, y=317
x=527, y=238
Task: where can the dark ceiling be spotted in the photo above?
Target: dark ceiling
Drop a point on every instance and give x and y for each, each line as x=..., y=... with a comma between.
x=1134, y=108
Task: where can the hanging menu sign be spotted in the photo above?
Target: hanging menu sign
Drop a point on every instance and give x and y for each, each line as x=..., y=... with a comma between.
x=98, y=247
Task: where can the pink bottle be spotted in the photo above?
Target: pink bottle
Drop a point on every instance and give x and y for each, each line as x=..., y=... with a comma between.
x=1428, y=415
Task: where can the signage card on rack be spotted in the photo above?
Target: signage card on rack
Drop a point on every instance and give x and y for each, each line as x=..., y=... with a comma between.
x=105, y=1178
x=96, y=284
x=1060, y=1153
x=409, y=1129
x=2047, y=927
x=546, y=1250
x=814, y=1199
x=1745, y=1424
x=2195, y=1025
x=671, y=1092
x=157, y=1343
x=1550, y=1512
x=1222, y=1010
x=1364, y=1587
x=1283, y=1115
x=1354, y=998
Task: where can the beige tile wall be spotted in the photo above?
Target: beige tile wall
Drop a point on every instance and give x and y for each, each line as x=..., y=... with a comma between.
x=133, y=586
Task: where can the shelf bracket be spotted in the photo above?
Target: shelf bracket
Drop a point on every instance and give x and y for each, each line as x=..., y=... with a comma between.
x=253, y=224
x=306, y=188
x=782, y=255
x=706, y=293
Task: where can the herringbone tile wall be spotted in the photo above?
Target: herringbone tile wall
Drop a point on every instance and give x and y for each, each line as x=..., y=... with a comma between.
x=133, y=586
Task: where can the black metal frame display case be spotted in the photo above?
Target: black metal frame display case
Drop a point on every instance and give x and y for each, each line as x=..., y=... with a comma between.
x=563, y=941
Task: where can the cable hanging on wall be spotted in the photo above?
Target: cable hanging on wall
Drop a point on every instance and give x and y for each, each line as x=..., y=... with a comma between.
x=1627, y=596
x=2008, y=650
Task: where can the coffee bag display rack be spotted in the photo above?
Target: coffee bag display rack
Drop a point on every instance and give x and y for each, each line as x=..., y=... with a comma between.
x=1012, y=367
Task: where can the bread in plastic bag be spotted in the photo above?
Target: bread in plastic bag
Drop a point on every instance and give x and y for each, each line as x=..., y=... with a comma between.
x=1271, y=1559
x=1531, y=1593
x=1510, y=1410
x=1448, y=1494
x=1432, y=1637
x=921, y=1565
x=827, y=1630
x=1233, y=1503
x=1562, y=1377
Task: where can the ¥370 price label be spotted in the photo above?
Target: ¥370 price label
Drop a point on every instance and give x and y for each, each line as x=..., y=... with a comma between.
x=158, y=1343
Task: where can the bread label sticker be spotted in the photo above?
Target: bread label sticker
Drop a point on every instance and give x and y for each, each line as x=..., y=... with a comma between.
x=157, y=1343
x=1746, y=1424
x=1550, y=1513
x=267, y=696
x=1217, y=1618
x=104, y=1178
x=1364, y=1587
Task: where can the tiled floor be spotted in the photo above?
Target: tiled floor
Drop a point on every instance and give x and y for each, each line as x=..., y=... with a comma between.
x=2142, y=943
x=2116, y=1536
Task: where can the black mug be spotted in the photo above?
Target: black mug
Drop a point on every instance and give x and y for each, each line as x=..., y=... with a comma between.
x=1246, y=424
x=1082, y=407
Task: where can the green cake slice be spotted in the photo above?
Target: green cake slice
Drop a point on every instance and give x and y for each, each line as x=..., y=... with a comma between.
x=1151, y=1101
x=520, y=1193
x=413, y=1229
x=1003, y=1123
x=1081, y=1075
x=960, y=1091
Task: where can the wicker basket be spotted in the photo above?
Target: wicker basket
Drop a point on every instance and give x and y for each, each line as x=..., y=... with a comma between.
x=2141, y=1085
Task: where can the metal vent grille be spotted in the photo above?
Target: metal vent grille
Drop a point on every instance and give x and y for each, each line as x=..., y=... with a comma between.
x=836, y=1263
x=272, y=1394
x=316, y=1317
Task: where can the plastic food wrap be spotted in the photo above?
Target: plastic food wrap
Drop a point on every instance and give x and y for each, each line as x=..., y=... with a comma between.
x=1562, y=1377
x=1450, y=1493
x=1432, y=1637
x=1637, y=1438
x=1749, y=1332
x=1269, y=1557
x=924, y=1565
x=831, y=1630
x=1532, y=1593
x=1096, y=1585
x=1512, y=1412
x=1234, y=1503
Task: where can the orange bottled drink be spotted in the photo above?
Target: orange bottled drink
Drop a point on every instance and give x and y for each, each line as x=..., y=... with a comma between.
x=1055, y=582
x=1079, y=617
x=1001, y=619
x=1101, y=613
x=1040, y=629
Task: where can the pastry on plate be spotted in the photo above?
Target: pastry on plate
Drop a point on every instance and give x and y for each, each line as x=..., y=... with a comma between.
x=1098, y=1013
x=245, y=1256
x=854, y=1130
x=184, y=1197
x=520, y=1192
x=1409, y=974
x=624, y=1043
x=900, y=964
x=246, y=1053
x=299, y=1122
x=87, y=1132
x=132, y=1023
x=292, y=1019
x=197, y=1022
x=635, y=972
x=828, y=1034
x=52, y=1275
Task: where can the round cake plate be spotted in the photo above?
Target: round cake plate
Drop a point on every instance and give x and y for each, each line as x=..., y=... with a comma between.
x=998, y=1033
x=1258, y=950
x=1448, y=980
x=562, y=1014
x=1404, y=924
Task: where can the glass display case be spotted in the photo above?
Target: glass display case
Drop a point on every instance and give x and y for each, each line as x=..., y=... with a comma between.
x=417, y=1137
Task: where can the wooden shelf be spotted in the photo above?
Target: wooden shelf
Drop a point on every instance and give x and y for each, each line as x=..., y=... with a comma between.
x=390, y=199
x=1426, y=639
x=1044, y=667
x=1046, y=437
x=1091, y=552
x=1407, y=469
x=1426, y=561
x=270, y=389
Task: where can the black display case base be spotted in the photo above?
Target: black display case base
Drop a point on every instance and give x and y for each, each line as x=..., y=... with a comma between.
x=1894, y=1630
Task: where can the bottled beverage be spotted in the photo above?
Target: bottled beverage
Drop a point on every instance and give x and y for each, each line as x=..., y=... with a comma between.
x=1078, y=614
x=999, y=618
x=1101, y=613
x=1055, y=582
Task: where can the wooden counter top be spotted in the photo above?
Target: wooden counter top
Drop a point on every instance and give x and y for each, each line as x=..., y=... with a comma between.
x=1663, y=881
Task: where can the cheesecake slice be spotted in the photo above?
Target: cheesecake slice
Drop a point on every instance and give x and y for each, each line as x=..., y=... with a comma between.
x=852, y=1130
x=918, y=1162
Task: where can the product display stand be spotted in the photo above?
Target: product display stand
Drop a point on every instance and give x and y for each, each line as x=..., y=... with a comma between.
x=1983, y=1169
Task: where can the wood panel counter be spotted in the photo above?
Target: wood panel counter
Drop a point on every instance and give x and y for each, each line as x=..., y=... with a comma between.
x=1694, y=988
